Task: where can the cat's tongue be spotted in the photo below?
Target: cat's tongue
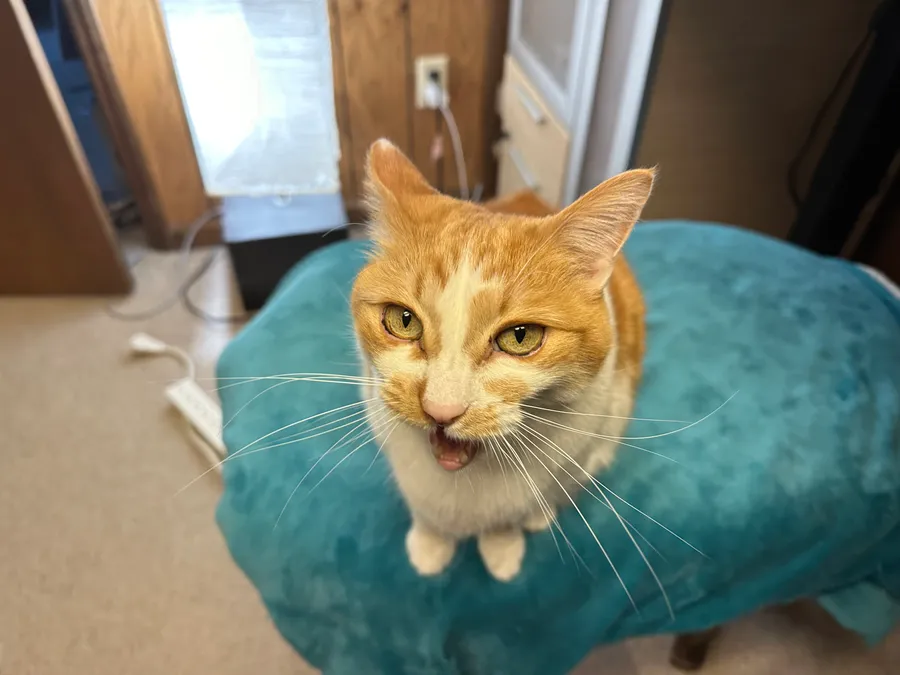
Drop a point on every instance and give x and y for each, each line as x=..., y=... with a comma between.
x=450, y=453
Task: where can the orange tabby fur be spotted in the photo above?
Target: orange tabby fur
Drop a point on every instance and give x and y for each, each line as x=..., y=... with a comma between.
x=468, y=272
x=626, y=293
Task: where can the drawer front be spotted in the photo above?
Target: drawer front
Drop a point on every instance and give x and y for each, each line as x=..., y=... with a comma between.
x=536, y=141
x=509, y=178
x=514, y=174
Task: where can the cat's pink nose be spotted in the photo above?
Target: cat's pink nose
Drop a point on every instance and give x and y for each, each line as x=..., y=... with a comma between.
x=444, y=413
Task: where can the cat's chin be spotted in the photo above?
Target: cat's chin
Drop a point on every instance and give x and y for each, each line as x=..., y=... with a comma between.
x=451, y=454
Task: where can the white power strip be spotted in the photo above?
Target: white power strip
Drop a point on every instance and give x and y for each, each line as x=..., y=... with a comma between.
x=203, y=415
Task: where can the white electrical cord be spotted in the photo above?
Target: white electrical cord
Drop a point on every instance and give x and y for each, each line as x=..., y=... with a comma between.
x=434, y=98
x=457, y=150
x=184, y=276
x=142, y=344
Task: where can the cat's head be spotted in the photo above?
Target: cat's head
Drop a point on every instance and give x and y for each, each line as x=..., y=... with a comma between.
x=466, y=313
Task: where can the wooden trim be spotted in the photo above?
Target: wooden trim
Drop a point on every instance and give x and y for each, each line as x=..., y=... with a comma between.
x=493, y=76
x=115, y=113
x=350, y=183
x=374, y=55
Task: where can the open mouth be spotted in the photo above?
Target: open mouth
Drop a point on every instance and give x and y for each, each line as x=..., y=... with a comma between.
x=452, y=454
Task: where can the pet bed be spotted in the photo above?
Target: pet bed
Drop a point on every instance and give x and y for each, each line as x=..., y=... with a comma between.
x=791, y=489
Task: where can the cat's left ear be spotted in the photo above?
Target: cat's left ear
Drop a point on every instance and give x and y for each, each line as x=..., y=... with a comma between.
x=595, y=227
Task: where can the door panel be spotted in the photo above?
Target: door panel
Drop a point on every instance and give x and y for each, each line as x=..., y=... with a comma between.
x=548, y=30
x=557, y=44
x=55, y=234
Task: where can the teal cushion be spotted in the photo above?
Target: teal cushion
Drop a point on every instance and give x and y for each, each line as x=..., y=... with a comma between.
x=791, y=490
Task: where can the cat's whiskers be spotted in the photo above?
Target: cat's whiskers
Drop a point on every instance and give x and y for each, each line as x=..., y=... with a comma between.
x=381, y=425
x=243, y=379
x=303, y=421
x=302, y=435
x=633, y=419
x=544, y=420
x=318, y=379
x=253, y=378
x=373, y=426
x=241, y=450
x=601, y=486
x=555, y=446
x=381, y=445
x=360, y=429
x=678, y=431
x=306, y=435
x=609, y=417
x=603, y=550
x=510, y=457
x=243, y=407
x=544, y=505
x=356, y=423
x=651, y=519
x=628, y=522
x=236, y=381
x=471, y=484
x=497, y=451
x=322, y=378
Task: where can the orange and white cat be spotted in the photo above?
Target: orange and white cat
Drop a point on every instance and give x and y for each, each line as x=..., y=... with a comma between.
x=507, y=347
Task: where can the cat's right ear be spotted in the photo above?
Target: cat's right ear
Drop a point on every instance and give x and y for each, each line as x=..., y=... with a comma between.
x=389, y=174
x=391, y=179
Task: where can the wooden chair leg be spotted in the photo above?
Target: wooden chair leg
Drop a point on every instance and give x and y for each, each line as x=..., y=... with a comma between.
x=690, y=649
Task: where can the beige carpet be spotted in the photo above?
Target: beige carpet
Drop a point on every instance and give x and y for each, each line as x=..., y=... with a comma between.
x=104, y=572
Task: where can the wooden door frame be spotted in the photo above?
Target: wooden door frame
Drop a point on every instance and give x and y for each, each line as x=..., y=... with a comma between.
x=115, y=113
x=493, y=76
x=157, y=201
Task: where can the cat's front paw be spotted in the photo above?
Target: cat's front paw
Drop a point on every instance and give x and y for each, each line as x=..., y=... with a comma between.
x=429, y=553
x=502, y=552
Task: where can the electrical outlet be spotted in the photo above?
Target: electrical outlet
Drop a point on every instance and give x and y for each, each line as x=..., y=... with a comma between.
x=433, y=67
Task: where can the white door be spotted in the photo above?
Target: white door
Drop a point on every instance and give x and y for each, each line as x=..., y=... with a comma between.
x=557, y=44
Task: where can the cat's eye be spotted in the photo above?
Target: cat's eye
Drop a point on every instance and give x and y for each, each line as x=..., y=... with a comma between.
x=520, y=340
x=402, y=323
